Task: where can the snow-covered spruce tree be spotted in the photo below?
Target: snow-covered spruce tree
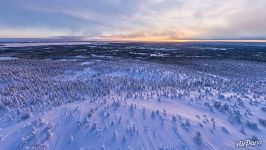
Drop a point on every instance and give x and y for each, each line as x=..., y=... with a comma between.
x=94, y=128
x=112, y=123
x=124, y=140
x=71, y=139
x=225, y=107
x=242, y=129
x=34, y=132
x=224, y=129
x=248, y=112
x=115, y=134
x=1, y=138
x=185, y=124
x=234, y=116
x=153, y=114
x=119, y=119
x=263, y=109
x=103, y=147
x=251, y=125
x=78, y=124
x=157, y=112
x=217, y=105
x=164, y=112
x=23, y=142
x=162, y=120
x=154, y=133
x=174, y=118
x=144, y=112
x=49, y=134
x=131, y=109
x=262, y=122
x=197, y=137
x=159, y=99
x=213, y=124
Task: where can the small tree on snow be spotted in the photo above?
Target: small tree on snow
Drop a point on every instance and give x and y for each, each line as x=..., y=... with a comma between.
x=197, y=137
x=71, y=139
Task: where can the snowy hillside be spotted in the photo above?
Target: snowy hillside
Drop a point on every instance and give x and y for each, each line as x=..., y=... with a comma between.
x=111, y=103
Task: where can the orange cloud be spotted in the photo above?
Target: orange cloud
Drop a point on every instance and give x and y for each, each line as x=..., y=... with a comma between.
x=150, y=36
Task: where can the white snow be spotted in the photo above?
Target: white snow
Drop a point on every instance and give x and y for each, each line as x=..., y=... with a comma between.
x=130, y=104
x=8, y=58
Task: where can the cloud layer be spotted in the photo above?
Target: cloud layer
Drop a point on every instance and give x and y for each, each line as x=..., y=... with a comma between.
x=134, y=19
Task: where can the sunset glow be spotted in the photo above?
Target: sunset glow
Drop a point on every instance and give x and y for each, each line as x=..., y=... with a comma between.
x=135, y=20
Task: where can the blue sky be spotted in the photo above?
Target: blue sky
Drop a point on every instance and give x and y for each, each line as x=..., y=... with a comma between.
x=134, y=19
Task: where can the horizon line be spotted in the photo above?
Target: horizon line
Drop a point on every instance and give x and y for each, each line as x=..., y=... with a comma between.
x=56, y=39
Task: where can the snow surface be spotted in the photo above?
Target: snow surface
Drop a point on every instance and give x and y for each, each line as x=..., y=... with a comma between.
x=8, y=58
x=127, y=104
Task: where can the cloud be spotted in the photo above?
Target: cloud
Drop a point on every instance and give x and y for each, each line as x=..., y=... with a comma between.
x=150, y=19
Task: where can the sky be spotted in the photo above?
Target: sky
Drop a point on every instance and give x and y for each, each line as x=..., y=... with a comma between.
x=147, y=20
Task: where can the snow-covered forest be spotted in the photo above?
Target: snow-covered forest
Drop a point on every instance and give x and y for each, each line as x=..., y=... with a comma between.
x=107, y=103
